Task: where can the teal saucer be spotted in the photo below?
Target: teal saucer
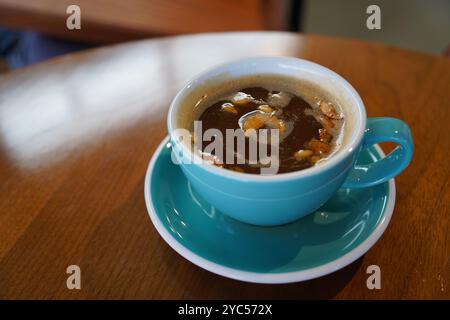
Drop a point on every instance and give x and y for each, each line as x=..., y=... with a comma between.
x=332, y=237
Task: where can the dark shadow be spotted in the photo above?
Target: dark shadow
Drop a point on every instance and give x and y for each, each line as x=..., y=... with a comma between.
x=125, y=258
x=202, y=284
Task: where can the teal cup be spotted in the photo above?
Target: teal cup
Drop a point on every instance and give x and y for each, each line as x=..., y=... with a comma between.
x=269, y=200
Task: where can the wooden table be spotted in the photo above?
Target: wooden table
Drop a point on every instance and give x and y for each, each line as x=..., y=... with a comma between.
x=77, y=132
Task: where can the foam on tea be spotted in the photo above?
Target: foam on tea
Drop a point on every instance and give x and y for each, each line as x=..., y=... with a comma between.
x=315, y=121
x=308, y=132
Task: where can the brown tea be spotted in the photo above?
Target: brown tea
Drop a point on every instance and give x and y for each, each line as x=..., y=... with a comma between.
x=307, y=131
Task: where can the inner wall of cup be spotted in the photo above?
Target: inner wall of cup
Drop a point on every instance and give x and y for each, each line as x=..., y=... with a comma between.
x=201, y=93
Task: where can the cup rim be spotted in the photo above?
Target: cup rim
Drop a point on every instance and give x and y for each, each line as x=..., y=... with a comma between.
x=350, y=147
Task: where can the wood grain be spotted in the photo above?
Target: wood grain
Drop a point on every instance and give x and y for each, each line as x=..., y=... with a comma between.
x=77, y=132
x=106, y=21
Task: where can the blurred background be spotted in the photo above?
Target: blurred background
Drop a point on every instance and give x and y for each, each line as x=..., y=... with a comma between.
x=35, y=30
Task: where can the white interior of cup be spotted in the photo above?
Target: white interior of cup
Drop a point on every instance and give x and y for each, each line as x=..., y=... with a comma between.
x=191, y=100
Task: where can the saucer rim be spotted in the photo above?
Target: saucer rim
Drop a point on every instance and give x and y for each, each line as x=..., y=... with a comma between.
x=267, y=278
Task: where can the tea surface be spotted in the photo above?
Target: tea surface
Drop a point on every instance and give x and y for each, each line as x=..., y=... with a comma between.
x=307, y=132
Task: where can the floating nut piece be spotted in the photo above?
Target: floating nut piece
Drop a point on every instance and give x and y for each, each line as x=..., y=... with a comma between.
x=229, y=107
x=263, y=120
x=327, y=122
x=281, y=126
x=249, y=133
x=237, y=169
x=255, y=121
x=319, y=147
x=314, y=159
x=324, y=135
x=329, y=110
x=241, y=98
x=302, y=155
x=265, y=108
x=279, y=99
x=211, y=159
x=218, y=163
x=272, y=122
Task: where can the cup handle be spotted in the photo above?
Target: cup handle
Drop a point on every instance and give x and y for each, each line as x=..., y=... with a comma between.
x=382, y=130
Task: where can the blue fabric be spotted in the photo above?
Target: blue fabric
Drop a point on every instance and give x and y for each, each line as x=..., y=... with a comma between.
x=8, y=38
x=23, y=48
